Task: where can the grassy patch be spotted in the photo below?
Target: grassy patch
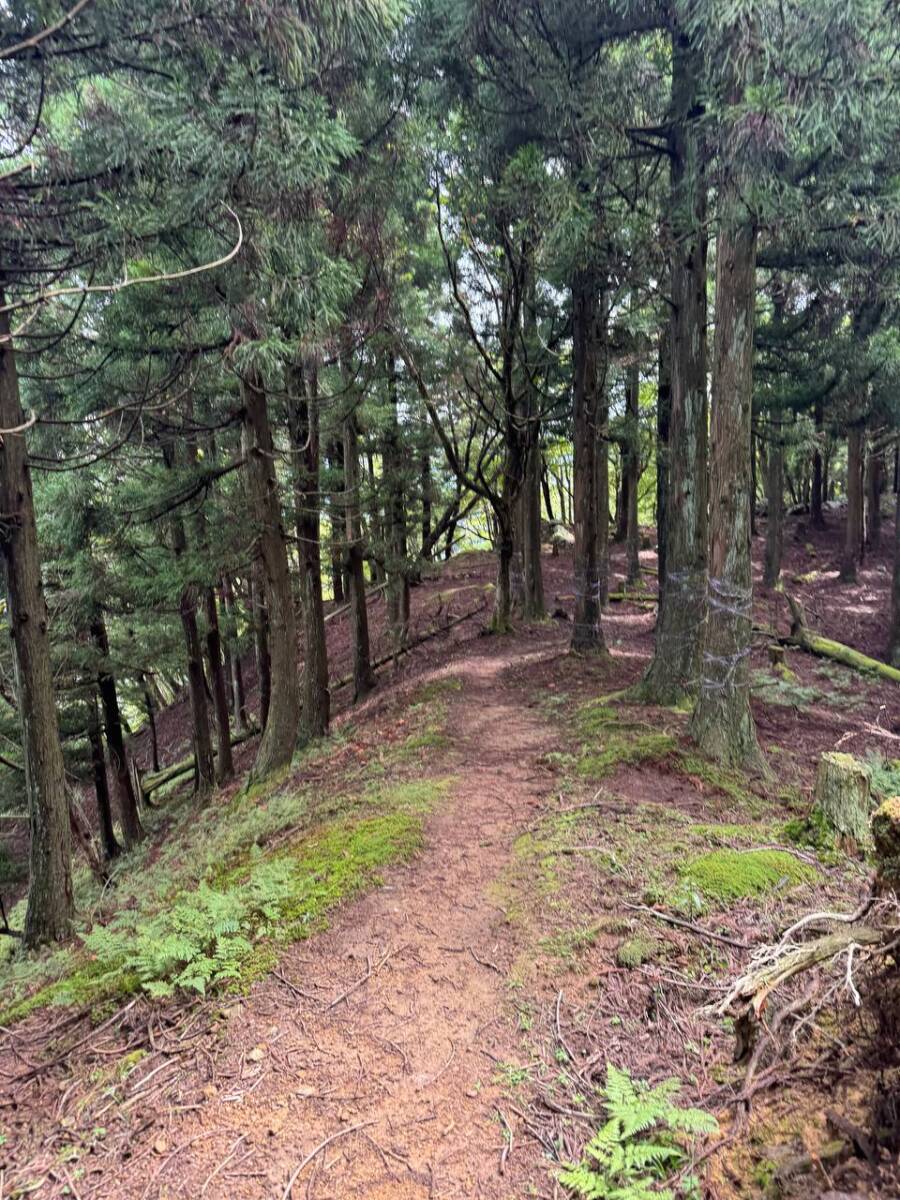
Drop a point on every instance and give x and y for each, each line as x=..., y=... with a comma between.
x=723, y=876
x=639, y=950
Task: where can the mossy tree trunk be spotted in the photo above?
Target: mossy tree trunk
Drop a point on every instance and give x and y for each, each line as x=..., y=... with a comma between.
x=50, y=901
x=675, y=669
x=843, y=796
x=722, y=723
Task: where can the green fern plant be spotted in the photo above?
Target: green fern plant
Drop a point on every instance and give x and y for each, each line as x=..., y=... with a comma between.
x=645, y=1140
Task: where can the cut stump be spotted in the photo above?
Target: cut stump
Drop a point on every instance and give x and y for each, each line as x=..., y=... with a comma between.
x=886, y=836
x=843, y=797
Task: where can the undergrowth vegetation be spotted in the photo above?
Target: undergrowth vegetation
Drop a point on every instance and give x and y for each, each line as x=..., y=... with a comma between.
x=644, y=1142
x=212, y=895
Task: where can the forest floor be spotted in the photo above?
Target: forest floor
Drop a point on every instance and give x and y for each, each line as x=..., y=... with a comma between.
x=483, y=832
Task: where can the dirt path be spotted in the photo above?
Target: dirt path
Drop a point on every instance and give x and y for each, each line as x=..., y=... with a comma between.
x=413, y=1051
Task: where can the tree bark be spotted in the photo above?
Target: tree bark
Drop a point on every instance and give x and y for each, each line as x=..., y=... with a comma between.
x=111, y=847
x=675, y=669
x=279, y=738
x=425, y=485
x=224, y=760
x=817, y=494
x=587, y=632
x=774, y=502
x=132, y=830
x=663, y=414
x=150, y=709
x=632, y=468
x=363, y=675
x=50, y=903
x=395, y=504
x=187, y=612
x=304, y=431
x=336, y=518
x=874, y=476
x=853, y=530
x=534, y=607
x=260, y=619
x=239, y=700
x=722, y=723
x=894, y=642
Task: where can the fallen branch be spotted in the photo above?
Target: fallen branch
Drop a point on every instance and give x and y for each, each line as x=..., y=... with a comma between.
x=804, y=638
x=321, y=1146
x=689, y=925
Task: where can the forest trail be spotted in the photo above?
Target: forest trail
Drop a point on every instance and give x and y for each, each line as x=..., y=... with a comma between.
x=412, y=1052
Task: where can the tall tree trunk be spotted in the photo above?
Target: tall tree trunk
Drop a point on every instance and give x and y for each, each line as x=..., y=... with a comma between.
x=150, y=709
x=132, y=830
x=621, y=532
x=304, y=430
x=853, y=531
x=602, y=452
x=239, y=700
x=111, y=848
x=587, y=631
x=722, y=723
x=874, y=478
x=187, y=612
x=260, y=618
x=675, y=668
x=501, y=619
x=774, y=501
x=894, y=642
x=279, y=738
x=395, y=504
x=50, y=903
x=817, y=495
x=632, y=466
x=545, y=485
x=754, y=485
x=363, y=675
x=425, y=486
x=663, y=413
x=224, y=761
x=337, y=519
x=534, y=607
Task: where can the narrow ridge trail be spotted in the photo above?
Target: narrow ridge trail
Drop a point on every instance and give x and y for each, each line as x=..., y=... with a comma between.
x=412, y=1052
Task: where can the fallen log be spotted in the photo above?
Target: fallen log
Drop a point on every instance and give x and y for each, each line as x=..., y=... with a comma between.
x=803, y=637
x=151, y=783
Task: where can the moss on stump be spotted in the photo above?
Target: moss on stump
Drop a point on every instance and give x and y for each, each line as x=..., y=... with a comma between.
x=886, y=836
x=843, y=797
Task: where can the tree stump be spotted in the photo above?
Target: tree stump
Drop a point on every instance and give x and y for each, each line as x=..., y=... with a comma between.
x=886, y=836
x=842, y=796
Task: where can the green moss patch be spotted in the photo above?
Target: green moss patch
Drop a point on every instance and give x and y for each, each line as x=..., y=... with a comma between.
x=723, y=876
x=639, y=950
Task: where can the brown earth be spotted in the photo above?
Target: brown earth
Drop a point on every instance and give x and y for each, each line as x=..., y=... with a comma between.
x=430, y=1042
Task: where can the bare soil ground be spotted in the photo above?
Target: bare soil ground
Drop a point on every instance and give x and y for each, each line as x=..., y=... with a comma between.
x=445, y=1035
